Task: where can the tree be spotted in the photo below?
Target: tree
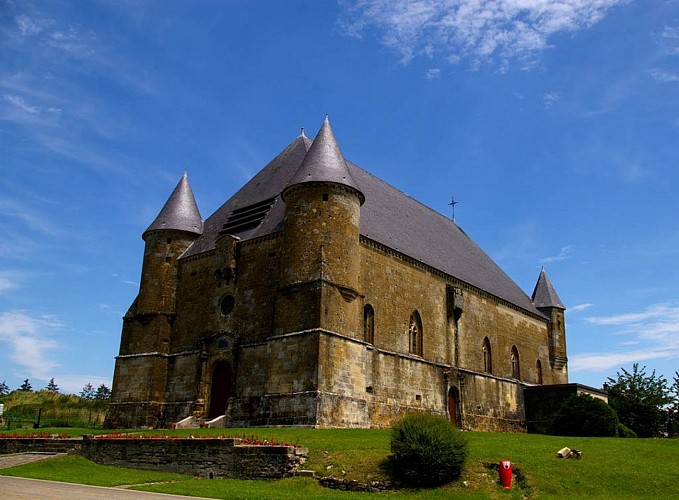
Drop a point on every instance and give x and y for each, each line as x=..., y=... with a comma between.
x=673, y=410
x=87, y=392
x=583, y=415
x=26, y=386
x=4, y=388
x=52, y=386
x=103, y=393
x=639, y=400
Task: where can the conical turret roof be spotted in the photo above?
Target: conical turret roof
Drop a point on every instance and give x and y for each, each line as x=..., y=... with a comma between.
x=544, y=294
x=180, y=212
x=324, y=162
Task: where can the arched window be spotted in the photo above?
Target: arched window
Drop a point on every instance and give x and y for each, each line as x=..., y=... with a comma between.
x=538, y=367
x=369, y=324
x=415, y=334
x=516, y=368
x=487, y=357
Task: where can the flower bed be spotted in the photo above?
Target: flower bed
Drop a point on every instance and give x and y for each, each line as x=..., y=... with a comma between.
x=241, y=439
x=34, y=435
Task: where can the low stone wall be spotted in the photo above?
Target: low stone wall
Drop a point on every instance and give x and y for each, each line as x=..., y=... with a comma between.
x=39, y=445
x=213, y=457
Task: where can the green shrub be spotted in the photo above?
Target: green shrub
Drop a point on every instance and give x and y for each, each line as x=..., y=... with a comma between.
x=625, y=432
x=426, y=450
x=584, y=415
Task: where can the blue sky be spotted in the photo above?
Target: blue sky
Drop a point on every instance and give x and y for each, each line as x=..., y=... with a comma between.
x=553, y=124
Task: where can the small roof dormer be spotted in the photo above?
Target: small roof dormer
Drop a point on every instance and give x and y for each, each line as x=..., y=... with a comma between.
x=180, y=212
x=544, y=295
x=324, y=162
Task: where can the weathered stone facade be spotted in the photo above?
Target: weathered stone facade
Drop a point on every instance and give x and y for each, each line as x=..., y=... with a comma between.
x=318, y=295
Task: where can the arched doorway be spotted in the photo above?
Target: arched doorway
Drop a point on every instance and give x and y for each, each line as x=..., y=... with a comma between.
x=222, y=388
x=453, y=399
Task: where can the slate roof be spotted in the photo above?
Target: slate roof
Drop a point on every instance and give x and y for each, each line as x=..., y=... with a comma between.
x=388, y=216
x=180, y=211
x=544, y=294
x=325, y=162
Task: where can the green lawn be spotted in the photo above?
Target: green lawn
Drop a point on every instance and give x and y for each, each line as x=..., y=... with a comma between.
x=610, y=467
x=62, y=431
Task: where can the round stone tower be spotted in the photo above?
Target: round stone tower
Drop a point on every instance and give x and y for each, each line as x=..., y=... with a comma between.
x=320, y=262
x=140, y=375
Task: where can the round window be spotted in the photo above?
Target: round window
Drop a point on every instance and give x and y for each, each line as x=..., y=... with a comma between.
x=227, y=304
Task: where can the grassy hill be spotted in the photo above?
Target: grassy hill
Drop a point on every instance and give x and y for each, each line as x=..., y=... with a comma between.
x=58, y=410
x=610, y=467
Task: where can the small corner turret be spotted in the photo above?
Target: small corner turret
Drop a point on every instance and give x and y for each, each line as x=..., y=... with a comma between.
x=548, y=302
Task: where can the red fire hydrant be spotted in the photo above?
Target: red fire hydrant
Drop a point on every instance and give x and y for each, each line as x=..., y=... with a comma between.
x=506, y=474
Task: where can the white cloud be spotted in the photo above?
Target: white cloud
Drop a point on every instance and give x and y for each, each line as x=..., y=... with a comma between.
x=32, y=26
x=9, y=280
x=656, y=328
x=29, y=343
x=74, y=39
x=481, y=31
x=663, y=76
x=6, y=284
x=669, y=40
x=550, y=98
x=580, y=307
x=606, y=361
x=432, y=73
x=660, y=312
x=29, y=217
x=671, y=32
x=21, y=103
x=563, y=254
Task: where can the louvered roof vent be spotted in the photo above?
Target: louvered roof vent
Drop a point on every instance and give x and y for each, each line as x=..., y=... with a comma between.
x=248, y=217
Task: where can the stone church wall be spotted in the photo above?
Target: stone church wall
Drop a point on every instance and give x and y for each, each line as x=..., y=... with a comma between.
x=395, y=289
x=492, y=403
x=504, y=327
x=276, y=382
x=290, y=370
x=182, y=376
x=403, y=383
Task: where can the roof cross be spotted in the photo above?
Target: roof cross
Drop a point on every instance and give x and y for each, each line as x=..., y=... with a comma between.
x=452, y=204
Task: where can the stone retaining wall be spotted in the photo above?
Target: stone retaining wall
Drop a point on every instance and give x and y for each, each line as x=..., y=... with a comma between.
x=213, y=457
x=39, y=445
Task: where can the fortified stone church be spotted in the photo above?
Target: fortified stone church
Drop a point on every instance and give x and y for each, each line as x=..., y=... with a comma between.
x=320, y=295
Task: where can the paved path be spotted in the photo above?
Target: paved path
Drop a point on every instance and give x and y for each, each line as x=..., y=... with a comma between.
x=7, y=461
x=15, y=488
